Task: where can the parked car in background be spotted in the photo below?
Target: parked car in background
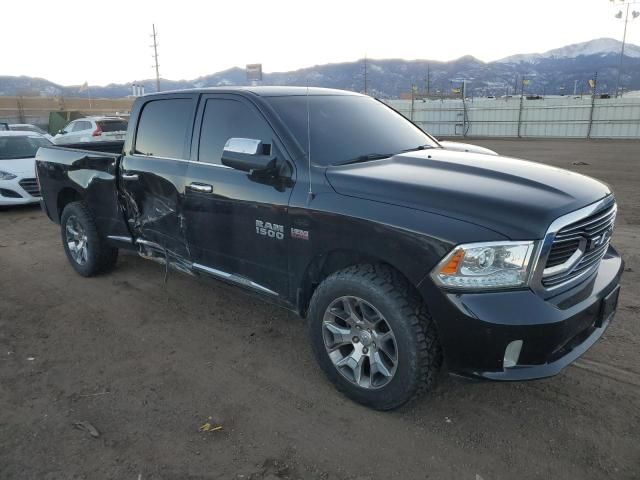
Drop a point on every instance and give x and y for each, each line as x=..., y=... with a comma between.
x=92, y=129
x=18, y=184
x=27, y=127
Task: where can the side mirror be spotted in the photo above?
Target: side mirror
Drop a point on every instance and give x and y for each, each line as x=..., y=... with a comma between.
x=247, y=154
x=61, y=132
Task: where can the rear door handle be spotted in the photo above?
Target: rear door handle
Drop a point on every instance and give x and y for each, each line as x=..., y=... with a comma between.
x=200, y=187
x=130, y=176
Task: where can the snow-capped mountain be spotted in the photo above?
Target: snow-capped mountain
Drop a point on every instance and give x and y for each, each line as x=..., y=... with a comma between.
x=559, y=71
x=599, y=46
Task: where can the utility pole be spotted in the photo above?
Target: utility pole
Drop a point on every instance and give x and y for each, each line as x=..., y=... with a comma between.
x=365, y=74
x=428, y=81
x=521, y=105
x=634, y=14
x=155, y=57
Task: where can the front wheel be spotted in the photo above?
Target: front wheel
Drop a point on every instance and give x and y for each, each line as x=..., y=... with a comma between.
x=86, y=251
x=373, y=336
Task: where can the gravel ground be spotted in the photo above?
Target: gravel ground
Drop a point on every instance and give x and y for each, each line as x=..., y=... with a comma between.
x=148, y=363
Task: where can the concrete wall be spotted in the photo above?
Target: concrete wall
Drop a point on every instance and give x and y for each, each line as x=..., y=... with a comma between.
x=36, y=110
x=552, y=117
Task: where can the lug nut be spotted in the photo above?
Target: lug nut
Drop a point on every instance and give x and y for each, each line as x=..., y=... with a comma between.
x=365, y=350
x=355, y=339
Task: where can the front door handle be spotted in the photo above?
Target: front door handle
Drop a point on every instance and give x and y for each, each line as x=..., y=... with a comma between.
x=200, y=187
x=130, y=176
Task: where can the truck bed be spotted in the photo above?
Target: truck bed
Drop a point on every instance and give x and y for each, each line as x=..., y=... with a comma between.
x=83, y=171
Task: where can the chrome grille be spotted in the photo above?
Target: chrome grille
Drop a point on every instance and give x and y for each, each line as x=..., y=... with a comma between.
x=30, y=185
x=590, y=236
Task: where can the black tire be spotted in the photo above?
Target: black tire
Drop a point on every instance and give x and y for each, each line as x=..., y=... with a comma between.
x=100, y=257
x=419, y=356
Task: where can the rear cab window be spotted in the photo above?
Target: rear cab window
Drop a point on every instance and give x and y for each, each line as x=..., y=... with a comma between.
x=112, y=125
x=163, y=127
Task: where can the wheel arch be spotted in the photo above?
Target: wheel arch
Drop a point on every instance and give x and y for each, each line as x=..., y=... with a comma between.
x=325, y=264
x=66, y=196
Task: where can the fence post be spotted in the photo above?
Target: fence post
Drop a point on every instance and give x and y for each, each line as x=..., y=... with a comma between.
x=412, y=100
x=21, y=115
x=593, y=104
x=521, y=106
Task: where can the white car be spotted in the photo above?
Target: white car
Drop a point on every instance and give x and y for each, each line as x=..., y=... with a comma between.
x=18, y=183
x=92, y=129
x=27, y=127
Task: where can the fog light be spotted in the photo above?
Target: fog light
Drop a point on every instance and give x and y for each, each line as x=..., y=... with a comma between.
x=512, y=354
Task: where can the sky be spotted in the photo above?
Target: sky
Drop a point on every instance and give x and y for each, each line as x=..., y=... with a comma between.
x=109, y=41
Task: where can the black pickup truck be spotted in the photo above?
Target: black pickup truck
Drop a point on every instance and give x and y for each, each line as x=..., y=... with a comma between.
x=401, y=254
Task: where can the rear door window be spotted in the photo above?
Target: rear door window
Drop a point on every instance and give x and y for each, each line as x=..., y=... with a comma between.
x=163, y=127
x=224, y=119
x=80, y=126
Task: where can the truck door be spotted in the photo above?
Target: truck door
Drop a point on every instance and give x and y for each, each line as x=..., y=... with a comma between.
x=237, y=225
x=152, y=174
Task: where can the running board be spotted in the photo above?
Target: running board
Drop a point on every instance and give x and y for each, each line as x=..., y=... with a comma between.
x=189, y=268
x=230, y=277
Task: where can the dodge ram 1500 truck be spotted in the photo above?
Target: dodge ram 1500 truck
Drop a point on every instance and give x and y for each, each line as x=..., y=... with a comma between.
x=401, y=254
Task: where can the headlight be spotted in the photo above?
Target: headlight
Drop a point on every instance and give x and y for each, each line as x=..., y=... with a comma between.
x=490, y=265
x=6, y=175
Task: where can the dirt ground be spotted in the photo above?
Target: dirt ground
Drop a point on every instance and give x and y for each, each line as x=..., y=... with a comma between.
x=147, y=364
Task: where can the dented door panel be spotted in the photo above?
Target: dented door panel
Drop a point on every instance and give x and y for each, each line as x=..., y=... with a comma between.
x=153, y=201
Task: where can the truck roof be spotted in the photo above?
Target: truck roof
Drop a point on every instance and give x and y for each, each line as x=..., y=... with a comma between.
x=265, y=91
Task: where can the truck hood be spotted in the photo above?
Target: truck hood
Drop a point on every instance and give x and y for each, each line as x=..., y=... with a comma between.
x=465, y=147
x=21, y=167
x=514, y=197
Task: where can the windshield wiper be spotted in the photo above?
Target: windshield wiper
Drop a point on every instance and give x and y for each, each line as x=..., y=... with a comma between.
x=419, y=147
x=368, y=157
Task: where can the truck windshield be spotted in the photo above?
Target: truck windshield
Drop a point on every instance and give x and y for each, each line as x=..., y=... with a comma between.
x=21, y=146
x=348, y=128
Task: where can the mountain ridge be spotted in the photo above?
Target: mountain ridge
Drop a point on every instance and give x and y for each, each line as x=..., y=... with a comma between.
x=556, y=71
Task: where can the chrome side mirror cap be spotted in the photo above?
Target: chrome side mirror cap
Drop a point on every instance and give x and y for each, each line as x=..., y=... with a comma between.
x=248, y=146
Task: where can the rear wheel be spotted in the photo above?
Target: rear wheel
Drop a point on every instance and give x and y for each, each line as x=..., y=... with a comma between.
x=88, y=254
x=373, y=337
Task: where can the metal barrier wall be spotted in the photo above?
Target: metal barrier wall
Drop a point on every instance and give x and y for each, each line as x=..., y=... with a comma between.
x=559, y=117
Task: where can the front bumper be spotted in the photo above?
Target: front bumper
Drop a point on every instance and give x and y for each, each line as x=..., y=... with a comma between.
x=475, y=328
x=12, y=193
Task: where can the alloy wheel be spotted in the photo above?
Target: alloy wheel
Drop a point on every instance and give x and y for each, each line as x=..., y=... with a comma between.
x=360, y=342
